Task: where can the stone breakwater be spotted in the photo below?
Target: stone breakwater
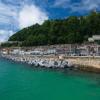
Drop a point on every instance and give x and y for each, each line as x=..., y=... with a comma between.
x=89, y=63
x=49, y=62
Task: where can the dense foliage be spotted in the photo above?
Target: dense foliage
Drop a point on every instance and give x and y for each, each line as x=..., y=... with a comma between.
x=70, y=30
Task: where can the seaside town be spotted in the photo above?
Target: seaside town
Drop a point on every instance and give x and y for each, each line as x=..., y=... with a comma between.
x=90, y=48
x=49, y=49
x=57, y=56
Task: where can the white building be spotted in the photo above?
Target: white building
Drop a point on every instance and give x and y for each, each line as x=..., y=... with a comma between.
x=51, y=51
x=96, y=37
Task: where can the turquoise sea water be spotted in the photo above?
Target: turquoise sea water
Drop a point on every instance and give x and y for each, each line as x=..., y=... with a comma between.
x=21, y=82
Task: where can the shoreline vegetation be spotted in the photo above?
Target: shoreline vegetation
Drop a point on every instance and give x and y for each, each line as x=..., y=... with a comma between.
x=71, y=30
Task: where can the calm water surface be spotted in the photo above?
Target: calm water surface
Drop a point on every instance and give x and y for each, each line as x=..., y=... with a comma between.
x=20, y=82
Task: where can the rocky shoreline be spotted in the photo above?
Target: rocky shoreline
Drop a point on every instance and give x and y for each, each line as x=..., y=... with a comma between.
x=54, y=62
x=39, y=61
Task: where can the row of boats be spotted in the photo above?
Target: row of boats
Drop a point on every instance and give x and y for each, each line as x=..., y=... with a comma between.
x=42, y=62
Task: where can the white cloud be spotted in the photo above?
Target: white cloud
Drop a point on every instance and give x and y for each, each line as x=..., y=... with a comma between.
x=87, y=5
x=81, y=6
x=31, y=14
x=17, y=14
x=5, y=34
x=6, y=11
x=61, y=3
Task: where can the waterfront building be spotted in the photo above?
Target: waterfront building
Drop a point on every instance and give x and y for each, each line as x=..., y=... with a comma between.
x=36, y=52
x=4, y=51
x=50, y=51
x=82, y=51
x=90, y=49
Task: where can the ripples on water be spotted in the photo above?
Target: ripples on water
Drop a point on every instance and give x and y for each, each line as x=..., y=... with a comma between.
x=19, y=81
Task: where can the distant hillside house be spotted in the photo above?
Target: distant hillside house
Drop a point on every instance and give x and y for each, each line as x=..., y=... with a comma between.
x=94, y=38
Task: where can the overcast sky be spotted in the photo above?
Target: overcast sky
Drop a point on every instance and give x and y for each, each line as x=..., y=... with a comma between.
x=18, y=14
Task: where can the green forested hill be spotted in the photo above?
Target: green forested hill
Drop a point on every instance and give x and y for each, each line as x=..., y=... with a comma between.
x=70, y=30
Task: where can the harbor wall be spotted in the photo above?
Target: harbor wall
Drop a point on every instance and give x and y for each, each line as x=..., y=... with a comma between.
x=90, y=64
x=85, y=63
